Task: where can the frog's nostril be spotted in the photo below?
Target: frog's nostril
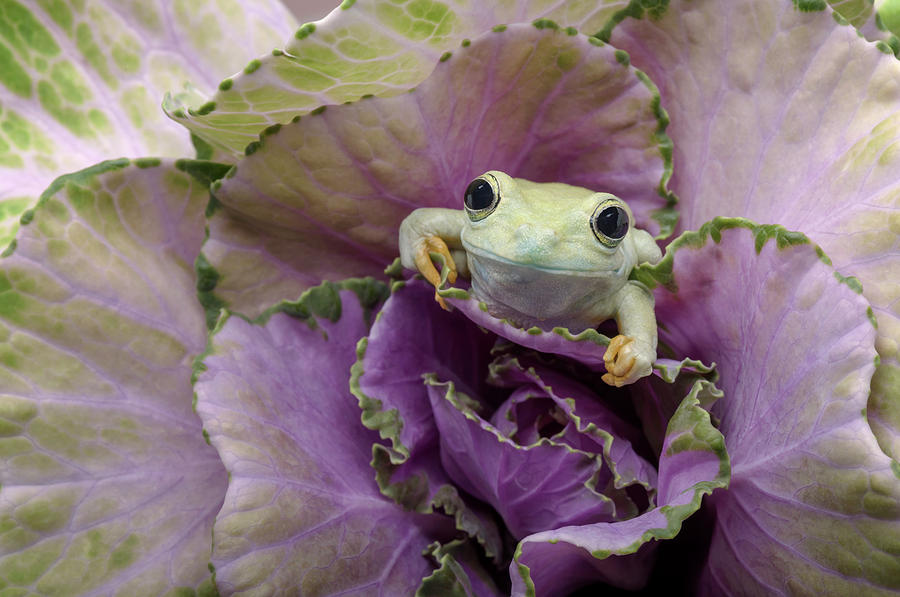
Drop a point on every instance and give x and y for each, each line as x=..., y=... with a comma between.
x=534, y=233
x=533, y=239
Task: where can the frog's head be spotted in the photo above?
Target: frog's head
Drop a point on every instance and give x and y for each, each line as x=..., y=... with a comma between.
x=548, y=226
x=549, y=253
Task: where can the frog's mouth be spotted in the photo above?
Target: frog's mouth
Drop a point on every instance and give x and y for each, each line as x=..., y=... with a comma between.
x=484, y=254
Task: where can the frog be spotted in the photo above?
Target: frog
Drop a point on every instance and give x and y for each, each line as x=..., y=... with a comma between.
x=544, y=254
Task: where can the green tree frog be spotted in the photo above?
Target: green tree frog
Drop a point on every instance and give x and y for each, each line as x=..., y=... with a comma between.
x=545, y=255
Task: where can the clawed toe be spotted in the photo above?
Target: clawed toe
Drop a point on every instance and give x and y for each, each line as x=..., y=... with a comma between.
x=621, y=360
x=435, y=244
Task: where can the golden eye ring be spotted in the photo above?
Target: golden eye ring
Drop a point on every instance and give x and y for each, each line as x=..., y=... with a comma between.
x=610, y=222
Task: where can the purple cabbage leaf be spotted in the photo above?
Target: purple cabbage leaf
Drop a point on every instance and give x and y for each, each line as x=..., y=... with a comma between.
x=794, y=347
x=518, y=432
x=302, y=510
x=324, y=196
x=817, y=148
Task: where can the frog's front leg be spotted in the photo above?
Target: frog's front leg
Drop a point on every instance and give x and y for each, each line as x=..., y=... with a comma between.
x=631, y=354
x=432, y=230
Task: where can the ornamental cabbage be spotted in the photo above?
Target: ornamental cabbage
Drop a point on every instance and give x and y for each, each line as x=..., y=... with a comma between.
x=209, y=382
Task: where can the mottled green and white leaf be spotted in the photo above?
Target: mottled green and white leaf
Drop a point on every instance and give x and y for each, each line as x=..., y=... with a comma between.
x=107, y=484
x=82, y=81
x=380, y=47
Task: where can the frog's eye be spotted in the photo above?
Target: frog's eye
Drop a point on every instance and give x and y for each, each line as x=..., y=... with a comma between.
x=610, y=223
x=480, y=199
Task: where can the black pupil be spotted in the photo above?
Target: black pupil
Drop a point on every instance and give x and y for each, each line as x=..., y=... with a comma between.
x=612, y=222
x=479, y=195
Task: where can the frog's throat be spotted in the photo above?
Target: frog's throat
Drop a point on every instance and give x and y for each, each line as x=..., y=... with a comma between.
x=485, y=254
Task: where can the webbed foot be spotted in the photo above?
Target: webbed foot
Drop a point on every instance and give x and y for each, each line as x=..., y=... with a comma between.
x=626, y=361
x=435, y=244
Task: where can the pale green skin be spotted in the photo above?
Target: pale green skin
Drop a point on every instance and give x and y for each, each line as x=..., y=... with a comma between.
x=535, y=261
